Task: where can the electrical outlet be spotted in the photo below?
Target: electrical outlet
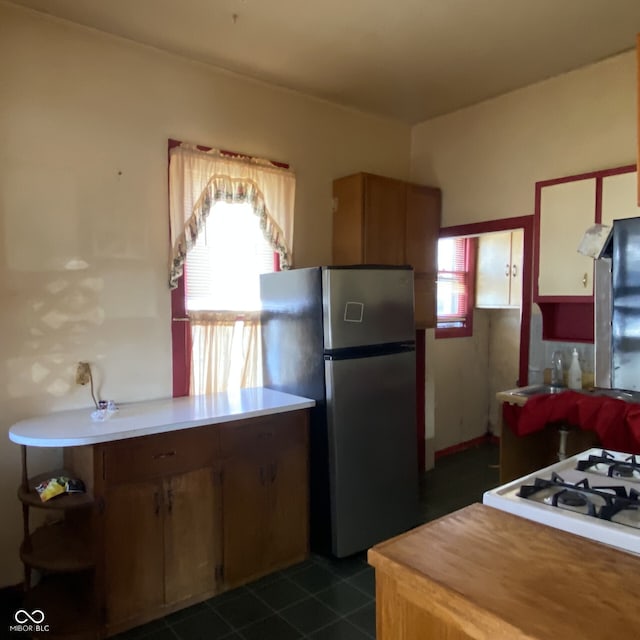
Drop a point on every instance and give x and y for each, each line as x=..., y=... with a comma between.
x=83, y=373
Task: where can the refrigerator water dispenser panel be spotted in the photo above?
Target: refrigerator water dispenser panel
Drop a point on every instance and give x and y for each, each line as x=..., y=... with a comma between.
x=353, y=311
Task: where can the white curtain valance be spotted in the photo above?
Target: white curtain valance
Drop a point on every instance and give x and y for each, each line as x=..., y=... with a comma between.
x=198, y=179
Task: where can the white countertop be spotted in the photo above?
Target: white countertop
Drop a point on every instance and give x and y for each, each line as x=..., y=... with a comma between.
x=73, y=428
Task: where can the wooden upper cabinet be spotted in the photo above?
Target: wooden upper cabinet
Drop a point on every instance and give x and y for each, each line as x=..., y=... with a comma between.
x=348, y=220
x=422, y=226
x=384, y=221
x=379, y=220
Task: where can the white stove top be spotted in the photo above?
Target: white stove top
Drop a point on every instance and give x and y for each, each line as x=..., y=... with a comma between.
x=575, y=502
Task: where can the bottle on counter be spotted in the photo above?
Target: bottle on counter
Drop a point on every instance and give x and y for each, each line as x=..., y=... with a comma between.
x=575, y=372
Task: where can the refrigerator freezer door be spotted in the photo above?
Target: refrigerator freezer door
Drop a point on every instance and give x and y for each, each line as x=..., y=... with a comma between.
x=367, y=306
x=372, y=449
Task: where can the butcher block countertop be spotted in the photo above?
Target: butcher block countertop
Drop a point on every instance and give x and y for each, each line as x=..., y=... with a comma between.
x=485, y=574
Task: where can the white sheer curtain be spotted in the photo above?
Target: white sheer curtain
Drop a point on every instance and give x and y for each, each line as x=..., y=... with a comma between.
x=226, y=351
x=225, y=343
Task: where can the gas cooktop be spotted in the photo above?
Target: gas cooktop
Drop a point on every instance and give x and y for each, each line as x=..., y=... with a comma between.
x=594, y=494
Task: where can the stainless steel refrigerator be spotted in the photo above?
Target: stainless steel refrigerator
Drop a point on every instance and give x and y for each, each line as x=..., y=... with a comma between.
x=345, y=337
x=617, y=308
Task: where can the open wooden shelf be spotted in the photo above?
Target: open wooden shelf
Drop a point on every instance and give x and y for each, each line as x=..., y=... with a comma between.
x=64, y=601
x=64, y=501
x=57, y=547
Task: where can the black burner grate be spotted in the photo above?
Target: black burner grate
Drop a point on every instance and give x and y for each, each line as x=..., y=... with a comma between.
x=627, y=468
x=600, y=502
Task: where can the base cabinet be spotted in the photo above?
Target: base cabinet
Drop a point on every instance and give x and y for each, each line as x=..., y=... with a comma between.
x=266, y=517
x=192, y=541
x=160, y=543
x=133, y=552
x=182, y=516
x=522, y=455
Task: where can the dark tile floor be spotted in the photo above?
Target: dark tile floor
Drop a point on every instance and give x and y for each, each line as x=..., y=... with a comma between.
x=322, y=598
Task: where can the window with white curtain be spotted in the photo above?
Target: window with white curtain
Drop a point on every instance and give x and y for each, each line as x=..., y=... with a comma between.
x=231, y=219
x=222, y=295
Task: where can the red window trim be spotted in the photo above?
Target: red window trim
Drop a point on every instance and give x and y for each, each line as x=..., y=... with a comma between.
x=467, y=330
x=180, y=325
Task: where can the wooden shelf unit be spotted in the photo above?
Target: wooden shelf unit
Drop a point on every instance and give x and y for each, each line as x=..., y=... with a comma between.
x=62, y=552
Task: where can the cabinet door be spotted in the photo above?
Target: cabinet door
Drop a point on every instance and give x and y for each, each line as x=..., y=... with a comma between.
x=493, y=270
x=192, y=534
x=134, y=550
x=517, y=260
x=422, y=227
x=288, y=513
x=384, y=220
x=619, y=197
x=244, y=494
x=567, y=210
x=348, y=219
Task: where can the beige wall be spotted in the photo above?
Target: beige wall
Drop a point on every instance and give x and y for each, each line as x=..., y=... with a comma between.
x=504, y=352
x=84, y=123
x=487, y=158
x=461, y=382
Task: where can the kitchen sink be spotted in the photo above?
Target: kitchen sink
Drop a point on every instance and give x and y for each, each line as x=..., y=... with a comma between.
x=617, y=394
x=539, y=389
x=536, y=390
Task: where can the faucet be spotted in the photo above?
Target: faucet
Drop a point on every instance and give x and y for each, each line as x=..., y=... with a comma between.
x=557, y=369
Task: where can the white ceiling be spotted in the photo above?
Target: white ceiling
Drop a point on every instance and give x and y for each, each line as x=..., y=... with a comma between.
x=408, y=59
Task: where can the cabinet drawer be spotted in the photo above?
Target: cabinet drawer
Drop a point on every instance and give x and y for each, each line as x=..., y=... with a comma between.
x=159, y=455
x=264, y=434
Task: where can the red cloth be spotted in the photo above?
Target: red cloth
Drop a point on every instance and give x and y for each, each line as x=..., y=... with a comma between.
x=616, y=422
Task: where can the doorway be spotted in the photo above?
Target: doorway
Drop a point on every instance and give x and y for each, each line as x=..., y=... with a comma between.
x=468, y=371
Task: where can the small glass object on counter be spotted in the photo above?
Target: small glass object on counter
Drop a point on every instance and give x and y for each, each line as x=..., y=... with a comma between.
x=557, y=369
x=106, y=408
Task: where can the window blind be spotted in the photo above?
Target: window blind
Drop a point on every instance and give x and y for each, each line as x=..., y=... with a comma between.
x=222, y=269
x=453, y=307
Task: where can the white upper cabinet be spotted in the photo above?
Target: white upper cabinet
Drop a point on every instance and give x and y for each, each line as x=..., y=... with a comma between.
x=619, y=197
x=499, y=270
x=567, y=210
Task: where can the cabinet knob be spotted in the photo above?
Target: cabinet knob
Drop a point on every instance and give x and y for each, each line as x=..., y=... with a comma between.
x=156, y=499
x=506, y=270
x=514, y=270
x=584, y=280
